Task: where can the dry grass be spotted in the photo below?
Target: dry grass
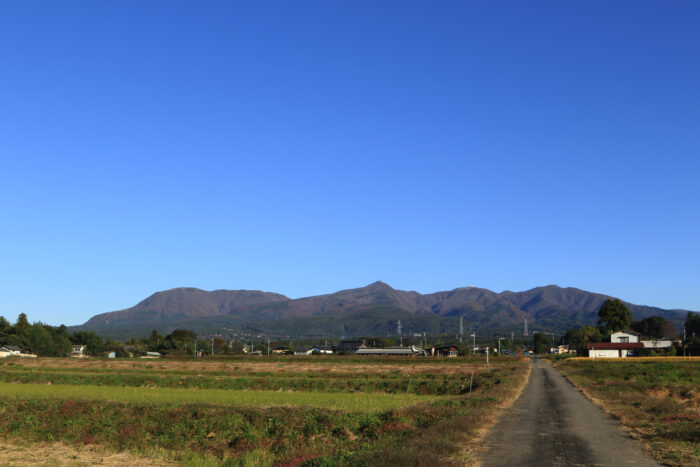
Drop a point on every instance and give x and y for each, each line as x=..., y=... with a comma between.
x=313, y=365
x=51, y=454
x=636, y=359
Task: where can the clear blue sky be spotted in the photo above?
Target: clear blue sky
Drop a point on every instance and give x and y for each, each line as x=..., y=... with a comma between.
x=306, y=147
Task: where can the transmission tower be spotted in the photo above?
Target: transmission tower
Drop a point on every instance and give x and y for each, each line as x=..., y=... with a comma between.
x=461, y=328
x=525, y=329
x=398, y=328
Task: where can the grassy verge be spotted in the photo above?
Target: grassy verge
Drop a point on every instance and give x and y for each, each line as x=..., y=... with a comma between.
x=657, y=400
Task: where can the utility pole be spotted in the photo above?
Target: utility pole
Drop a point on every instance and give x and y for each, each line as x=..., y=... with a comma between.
x=212, y=346
x=473, y=336
x=461, y=328
x=268, y=346
x=499, y=344
x=684, y=337
x=398, y=326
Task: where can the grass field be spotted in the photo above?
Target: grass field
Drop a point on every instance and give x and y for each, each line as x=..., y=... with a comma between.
x=363, y=402
x=326, y=411
x=657, y=399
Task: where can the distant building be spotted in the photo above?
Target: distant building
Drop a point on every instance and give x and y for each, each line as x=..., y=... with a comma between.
x=9, y=351
x=349, y=346
x=624, y=336
x=78, y=351
x=443, y=351
x=612, y=349
x=152, y=355
x=398, y=351
x=561, y=349
x=660, y=343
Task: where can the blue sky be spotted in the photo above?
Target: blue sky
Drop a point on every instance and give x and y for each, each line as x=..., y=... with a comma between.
x=306, y=147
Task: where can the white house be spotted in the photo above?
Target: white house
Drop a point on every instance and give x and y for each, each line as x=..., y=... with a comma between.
x=661, y=343
x=612, y=349
x=624, y=336
x=78, y=351
x=649, y=342
x=9, y=351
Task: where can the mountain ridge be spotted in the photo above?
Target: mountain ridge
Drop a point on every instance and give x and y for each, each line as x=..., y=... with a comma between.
x=550, y=307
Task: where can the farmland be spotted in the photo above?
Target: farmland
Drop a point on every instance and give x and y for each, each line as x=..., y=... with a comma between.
x=656, y=399
x=264, y=411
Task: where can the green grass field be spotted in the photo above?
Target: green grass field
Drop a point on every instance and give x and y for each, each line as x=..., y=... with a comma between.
x=352, y=402
x=657, y=400
x=340, y=411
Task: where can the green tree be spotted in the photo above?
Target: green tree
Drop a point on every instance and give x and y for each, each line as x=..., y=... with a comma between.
x=539, y=342
x=613, y=316
x=22, y=326
x=577, y=338
x=93, y=343
x=692, y=324
x=654, y=326
x=39, y=340
x=5, y=326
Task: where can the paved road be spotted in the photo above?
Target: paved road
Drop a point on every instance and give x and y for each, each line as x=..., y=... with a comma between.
x=553, y=424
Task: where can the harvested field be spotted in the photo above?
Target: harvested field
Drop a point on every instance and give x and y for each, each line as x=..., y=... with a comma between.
x=305, y=411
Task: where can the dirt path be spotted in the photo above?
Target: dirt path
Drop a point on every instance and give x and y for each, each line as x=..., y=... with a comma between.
x=553, y=424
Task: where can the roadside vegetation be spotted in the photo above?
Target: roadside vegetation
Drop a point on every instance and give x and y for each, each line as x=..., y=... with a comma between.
x=657, y=399
x=337, y=411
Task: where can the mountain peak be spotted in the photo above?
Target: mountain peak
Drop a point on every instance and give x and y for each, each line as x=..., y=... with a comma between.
x=379, y=285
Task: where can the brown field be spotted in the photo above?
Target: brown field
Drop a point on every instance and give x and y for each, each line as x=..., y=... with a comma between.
x=48, y=417
x=331, y=365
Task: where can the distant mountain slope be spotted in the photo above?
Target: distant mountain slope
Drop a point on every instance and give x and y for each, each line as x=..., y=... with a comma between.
x=184, y=303
x=361, y=310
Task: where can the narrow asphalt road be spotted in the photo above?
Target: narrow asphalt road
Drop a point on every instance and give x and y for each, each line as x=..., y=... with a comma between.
x=553, y=424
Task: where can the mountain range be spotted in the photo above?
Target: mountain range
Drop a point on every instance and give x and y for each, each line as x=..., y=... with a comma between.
x=371, y=310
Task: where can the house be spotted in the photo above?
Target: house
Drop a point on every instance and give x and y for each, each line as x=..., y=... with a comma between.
x=322, y=350
x=660, y=343
x=346, y=347
x=281, y=351
x=152, y=355
x=78, y=351
x=27, y=355
x=561, y=349
x=9, y=351
x=612, y=349
x=315, y=350
x=443, y=351
x=398, y=351
x=624, y=336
